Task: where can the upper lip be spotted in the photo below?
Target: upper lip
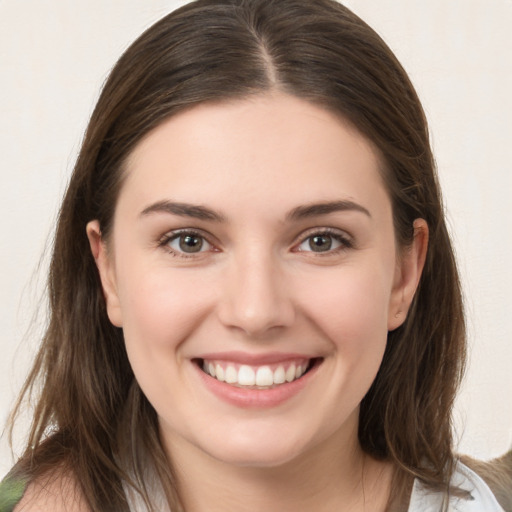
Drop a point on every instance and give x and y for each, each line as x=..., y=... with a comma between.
x=253, y=359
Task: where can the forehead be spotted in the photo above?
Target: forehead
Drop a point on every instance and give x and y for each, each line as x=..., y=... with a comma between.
x=273, y=147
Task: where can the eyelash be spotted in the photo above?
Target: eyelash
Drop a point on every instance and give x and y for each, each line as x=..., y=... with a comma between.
x=175, y=235
x=344, y=240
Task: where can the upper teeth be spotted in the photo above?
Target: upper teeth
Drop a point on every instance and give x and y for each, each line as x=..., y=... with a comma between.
x=262, y=376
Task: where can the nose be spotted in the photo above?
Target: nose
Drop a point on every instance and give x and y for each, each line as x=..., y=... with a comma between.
x=255, y=297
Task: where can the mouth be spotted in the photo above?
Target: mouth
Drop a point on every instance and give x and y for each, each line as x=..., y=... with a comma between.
x=257, y=377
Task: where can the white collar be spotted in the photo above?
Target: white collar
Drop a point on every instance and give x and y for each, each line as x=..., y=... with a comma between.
x=481, y=498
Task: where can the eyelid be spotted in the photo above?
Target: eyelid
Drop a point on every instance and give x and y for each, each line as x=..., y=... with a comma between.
x=346, y=239
x=176, y=233
x=342, y=236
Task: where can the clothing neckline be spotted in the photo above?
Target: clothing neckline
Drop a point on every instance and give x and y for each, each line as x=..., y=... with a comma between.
x=479, y=496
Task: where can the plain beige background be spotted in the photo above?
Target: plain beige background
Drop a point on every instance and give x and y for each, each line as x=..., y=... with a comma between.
x=55, y=54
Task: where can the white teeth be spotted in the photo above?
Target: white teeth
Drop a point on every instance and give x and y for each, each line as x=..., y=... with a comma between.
x=264, y=376
x=290, y=373
x=231, y=375
x=219, y=372
x=246, y=375
x=279, y=375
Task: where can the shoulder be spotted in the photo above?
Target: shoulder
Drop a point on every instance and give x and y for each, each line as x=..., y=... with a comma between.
x=58, y=493
x=11, y=492
x=480, y=495
x=476, y=495
x=497, y=474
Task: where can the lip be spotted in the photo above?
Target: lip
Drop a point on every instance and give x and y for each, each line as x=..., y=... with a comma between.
x=253, y=359
x=246, y=398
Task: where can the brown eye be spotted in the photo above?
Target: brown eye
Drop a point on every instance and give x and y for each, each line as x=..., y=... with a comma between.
x=187, y=242
x=190, y=243
x=320, y=243
x=328, y=241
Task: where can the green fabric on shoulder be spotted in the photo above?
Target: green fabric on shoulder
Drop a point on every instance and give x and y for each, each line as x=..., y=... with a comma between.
x=11, y=492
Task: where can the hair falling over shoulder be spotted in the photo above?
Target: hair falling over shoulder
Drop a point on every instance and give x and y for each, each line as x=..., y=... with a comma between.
x=90, y=416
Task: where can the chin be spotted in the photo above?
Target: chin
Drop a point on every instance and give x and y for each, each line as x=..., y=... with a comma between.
x=257, y=458
x=266, y=450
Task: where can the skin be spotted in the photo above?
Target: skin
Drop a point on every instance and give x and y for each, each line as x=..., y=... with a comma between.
x=257, y=287
x=57, y=492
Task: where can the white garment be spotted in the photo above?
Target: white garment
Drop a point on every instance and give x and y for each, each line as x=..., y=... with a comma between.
x=481, y=500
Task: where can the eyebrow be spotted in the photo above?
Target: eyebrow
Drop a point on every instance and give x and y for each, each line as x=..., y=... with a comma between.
x=183, y=210
x=312, y=210
x=204, y=213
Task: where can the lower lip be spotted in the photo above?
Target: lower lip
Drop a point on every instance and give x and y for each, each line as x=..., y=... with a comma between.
x=256, y=398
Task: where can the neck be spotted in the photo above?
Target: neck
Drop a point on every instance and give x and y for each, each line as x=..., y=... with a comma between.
x=332, y=476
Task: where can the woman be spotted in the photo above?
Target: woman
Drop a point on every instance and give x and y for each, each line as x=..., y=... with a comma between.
x=254, y=301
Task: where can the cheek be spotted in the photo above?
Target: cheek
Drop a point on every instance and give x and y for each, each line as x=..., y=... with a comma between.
x=351, y=309
x=160, y=308
x=348, y=310
x=353, y=318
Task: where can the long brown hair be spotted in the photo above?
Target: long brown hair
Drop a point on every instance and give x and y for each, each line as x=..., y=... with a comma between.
x=90, y=416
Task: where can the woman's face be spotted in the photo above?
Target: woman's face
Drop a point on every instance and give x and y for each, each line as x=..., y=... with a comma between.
x=254, y=271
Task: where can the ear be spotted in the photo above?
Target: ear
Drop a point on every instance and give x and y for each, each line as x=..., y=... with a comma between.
x=106, y=270
x=407, y=275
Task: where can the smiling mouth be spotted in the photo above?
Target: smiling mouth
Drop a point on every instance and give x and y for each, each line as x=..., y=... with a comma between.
x=257, y=377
